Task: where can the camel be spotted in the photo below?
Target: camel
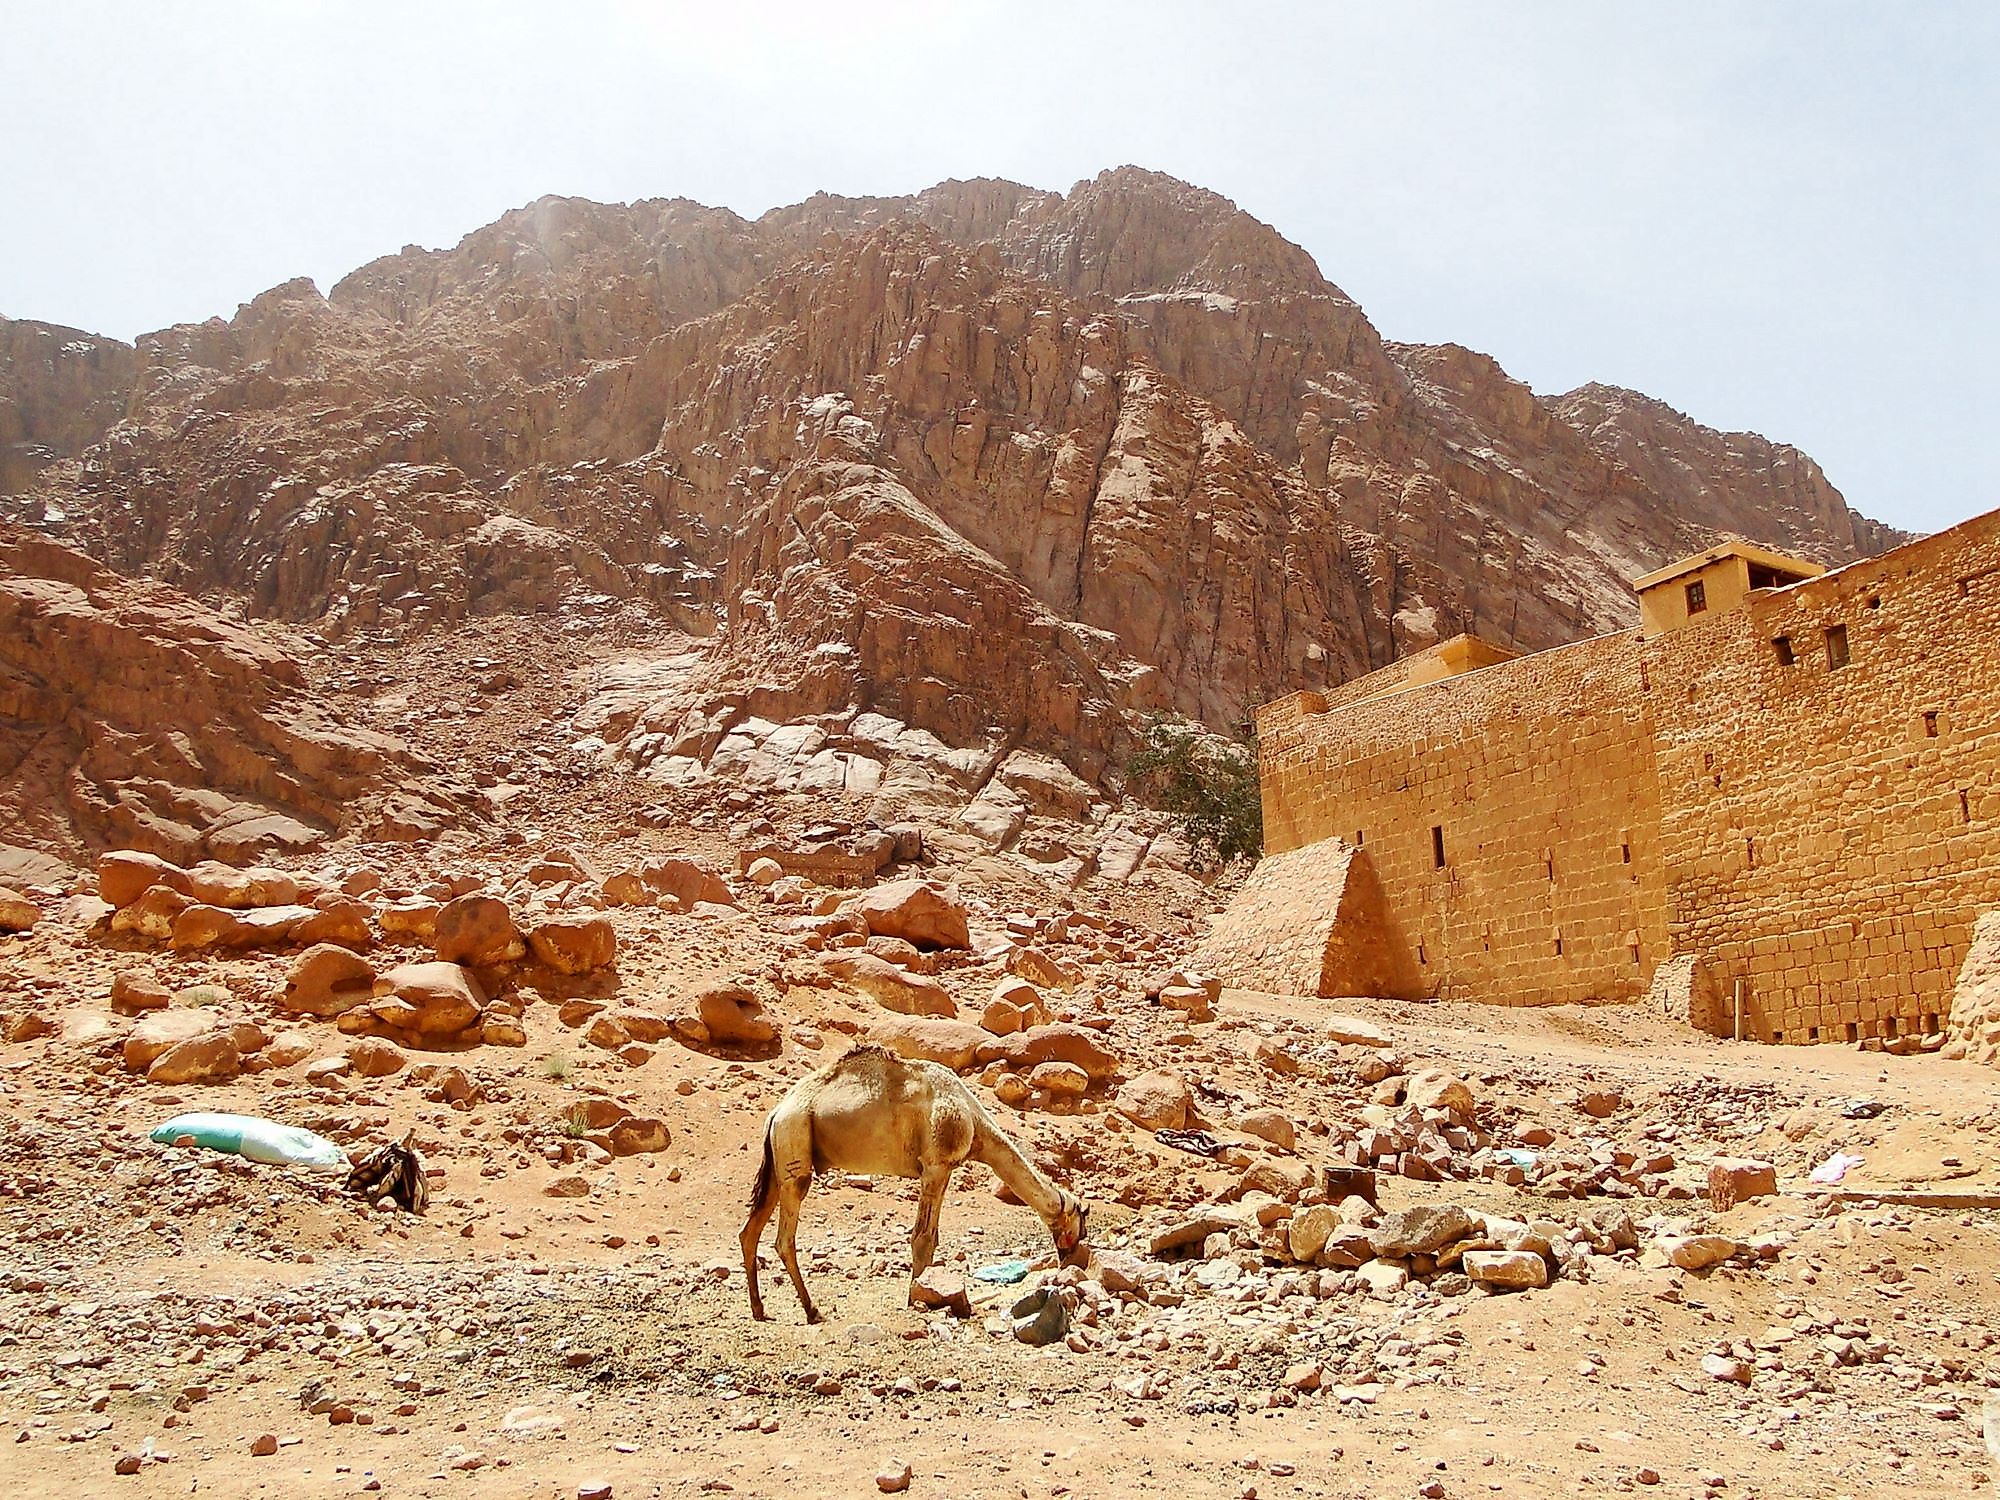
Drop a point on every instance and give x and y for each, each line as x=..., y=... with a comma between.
x=871, y=1111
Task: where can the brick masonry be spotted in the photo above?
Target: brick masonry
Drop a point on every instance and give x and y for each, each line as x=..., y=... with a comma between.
x=1824, y=831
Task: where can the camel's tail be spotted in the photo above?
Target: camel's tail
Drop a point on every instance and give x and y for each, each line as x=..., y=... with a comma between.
x=767, y=1170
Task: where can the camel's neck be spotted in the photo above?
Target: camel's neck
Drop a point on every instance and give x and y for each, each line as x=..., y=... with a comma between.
x=1014, y=1169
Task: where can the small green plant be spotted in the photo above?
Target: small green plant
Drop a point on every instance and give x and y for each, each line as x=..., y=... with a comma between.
x=575, y=1124
x=556, y=1066
x=1207, y=782
x=204, y=995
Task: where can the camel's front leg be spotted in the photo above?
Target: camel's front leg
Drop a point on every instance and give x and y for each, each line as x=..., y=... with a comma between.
x=791, y=1193
x=930, y=1204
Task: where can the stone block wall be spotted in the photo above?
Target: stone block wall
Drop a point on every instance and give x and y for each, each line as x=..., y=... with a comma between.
x=1533, y=779
x=1799, y=792
x=1832, y=832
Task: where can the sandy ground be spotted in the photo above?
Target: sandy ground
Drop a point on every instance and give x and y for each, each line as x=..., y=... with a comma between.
x=175, y=1308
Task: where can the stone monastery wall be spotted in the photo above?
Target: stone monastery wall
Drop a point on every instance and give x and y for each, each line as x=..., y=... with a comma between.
x=1799, y=791
x=1512, y=815
x=1832, y=833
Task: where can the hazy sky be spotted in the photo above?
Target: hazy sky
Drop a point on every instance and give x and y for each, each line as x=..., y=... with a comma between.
x=1775, y=216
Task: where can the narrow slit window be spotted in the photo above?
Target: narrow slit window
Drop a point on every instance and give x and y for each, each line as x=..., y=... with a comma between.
x=1930, y=724
x=1421, y=957
x=1964, y=807
x=1836, y=647
x=1559, y=945
x=1437, y=846
x=1889, y=1027
x=1853, y=1031
x=1697, y=597
x=1633, y=948
x=1782, y=644
x=1625, y=853
x=1750, y=852
x=1360, y=837
x=1931, y=1024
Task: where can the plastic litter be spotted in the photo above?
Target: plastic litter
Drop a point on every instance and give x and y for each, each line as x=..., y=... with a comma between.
x=1516, y=1156
x=1003, y=1272
x=1862, y=1109
x=1041, y=1317
x=1835, y=1167
x=254, y=1139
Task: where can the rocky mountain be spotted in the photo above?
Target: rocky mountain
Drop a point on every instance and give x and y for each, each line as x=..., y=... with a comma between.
x=133, y=715
x=1004, y=467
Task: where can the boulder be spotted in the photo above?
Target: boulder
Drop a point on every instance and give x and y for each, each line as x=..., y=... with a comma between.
x=1435, y=1089
x=152, y=913
x=1037, y=967
x=687, y=882
x=133, y=996
x=887, y=985
x=1355, y=1032
x=1060, y=1078
x=477, y=930
x=1268, y=1125
x=733, y=1016
x=1286, y=1181
x=216, y=884
x=952, y=1043
x=1158, y=1100
x=942, y=1290
x=1600, y=1104
x=372, y=1057
x=327, y=980
x=17, y=912
x=287, y=1048
x=636, y=1133
x=1422, y=1230
x=232, y=927
x=433, y=999
x=1509, y=1270
x=1732, y=1181
x=1382, y=1278
x=124, y=875
x=338, y=919
x=502, y=1031
x=626, y=888
x=764, y=871
x=575, y=944
x=212, y=1057
x=1060, y=1042
x=1690, y=1252
x=160, y=1032
x=1309, y=1231
x=914, y=910
x=412, y=917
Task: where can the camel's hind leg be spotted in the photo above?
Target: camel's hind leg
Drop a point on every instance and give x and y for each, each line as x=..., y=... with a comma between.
x=930, y=1206
x=763, y=1203
x=792, y=1193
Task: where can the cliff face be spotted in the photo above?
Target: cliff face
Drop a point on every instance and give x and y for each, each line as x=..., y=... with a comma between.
x=133, y=715
x=1008, y=465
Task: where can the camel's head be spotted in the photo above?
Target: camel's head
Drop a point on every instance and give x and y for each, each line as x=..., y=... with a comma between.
x=1070, y=1226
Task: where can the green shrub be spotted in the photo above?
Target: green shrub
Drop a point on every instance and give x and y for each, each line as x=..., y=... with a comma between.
x=1207, y=782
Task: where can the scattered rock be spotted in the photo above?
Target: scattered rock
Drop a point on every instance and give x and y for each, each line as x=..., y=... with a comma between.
x=327, y=980
x=575, y=944
x=914, y=910
x=17, y=912
x=1156, y=1100
x=477, y=930
x=1732, y=1181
